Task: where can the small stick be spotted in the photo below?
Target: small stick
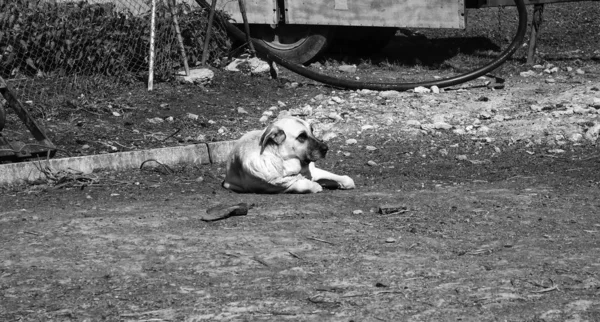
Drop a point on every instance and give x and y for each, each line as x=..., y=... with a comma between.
x=320, y=240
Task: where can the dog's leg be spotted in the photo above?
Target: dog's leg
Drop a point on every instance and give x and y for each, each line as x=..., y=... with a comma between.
x=304, y=186
x=342, y=182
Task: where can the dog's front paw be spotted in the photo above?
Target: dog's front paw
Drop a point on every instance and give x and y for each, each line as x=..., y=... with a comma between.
x=346, y=183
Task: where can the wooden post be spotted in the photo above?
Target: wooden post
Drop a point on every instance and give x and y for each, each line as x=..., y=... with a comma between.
x=172, y=7
x=536, y=24
x=211, y=17
x=151, y=54
x=246, y=27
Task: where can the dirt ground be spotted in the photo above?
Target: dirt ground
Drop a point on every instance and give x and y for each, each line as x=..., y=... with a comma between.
x=496, y=192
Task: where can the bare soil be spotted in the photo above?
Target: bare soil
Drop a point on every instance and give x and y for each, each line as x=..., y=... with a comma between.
x=497, y=215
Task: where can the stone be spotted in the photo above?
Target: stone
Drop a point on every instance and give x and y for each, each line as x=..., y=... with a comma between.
x=347, y=69
x=536, y=108
x=370, y=148
x=155, y=120
x=328, y=136
x=550, y=80
x=366, y=127
x=435, y=89
x=461, y=157
x=442, y=126
x=372, y=163
x=357, y=212
x=389, y=94
x=592, y=133
x=422, y=90
x=351, y=141
x=485, y=115
x=199, y=76
x=580, y=71
x=241, y=110
x=528, y=73
x=263, y=119
x=192, y=116
x=252, y=65
x=390, y=240
x=224, y=211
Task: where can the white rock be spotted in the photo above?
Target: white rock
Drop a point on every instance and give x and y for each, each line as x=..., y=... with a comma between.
x=390, y=240
x=351, y=141
x=328, y=136
x=413, y=123
x=366, y=127
x=211, y=122
x=170, y=119
x=550, y=80
x=575, y=137
x=337, y=99
x=459, y=131
x=370, y=148
x=357, y=212
x=556, y=151
x=372, y=163
x=536, y=108
x=347, y=69
x=435, y=89
x=263, y=119
x=538, y=66
x=281, y=104
x=222, y=130
x=252, y=65
x=528, y=73
x=461, y=157
x=116, y=114
x=201, y=138
x=192, y=116
x=241, y=110
x=268, y=113
x=389, y=94
x=365, y=91
x=199, y=76
x=335, y=116
x=580, y=71
x=422, y=89
x=569, y=69
x=442, y=126
x=593, y=132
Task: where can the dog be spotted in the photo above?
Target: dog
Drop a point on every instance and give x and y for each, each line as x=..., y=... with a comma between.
x=280, y=159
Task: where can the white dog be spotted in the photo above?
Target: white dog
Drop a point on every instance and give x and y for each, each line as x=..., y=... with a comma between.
x=280, y=159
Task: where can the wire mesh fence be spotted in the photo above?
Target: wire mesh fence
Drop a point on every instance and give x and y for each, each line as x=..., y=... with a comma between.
x=52, y=50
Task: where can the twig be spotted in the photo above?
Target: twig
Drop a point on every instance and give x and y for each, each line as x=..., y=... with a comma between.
x=256, y=258
x=174, y=133
x=320, y=240
x=294, y=255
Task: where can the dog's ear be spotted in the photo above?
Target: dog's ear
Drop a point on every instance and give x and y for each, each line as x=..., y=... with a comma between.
x=271, y=133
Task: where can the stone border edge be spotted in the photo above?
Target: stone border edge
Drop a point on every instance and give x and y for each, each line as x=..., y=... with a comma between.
x=202, y=153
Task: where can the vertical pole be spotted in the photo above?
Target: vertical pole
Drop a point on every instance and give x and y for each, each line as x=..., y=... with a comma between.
x=211, y=17
x=536, y=24
x=172, y=7
x=151, y=55
x=246, y=27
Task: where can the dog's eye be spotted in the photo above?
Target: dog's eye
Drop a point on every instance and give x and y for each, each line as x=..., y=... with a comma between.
x=302, y=137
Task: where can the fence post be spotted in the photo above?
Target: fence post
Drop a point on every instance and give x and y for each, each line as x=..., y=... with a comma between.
x=536, y=24
x=151, y=54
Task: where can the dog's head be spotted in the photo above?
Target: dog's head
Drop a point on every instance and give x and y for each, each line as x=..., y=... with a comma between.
x=293, y=138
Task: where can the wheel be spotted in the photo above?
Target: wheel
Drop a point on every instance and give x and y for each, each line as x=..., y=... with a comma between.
x=299, y=44
x=362, y=40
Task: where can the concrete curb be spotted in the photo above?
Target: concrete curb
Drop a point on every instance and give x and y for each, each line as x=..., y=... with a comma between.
x=203, y=153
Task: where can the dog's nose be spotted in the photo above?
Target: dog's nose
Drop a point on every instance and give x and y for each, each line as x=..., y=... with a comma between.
x=323, y=148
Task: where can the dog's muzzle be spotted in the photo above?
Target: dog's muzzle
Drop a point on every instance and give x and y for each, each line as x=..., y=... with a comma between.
x=316, y=150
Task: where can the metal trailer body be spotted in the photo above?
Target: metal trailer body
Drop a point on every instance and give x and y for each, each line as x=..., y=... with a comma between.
x=372, y=13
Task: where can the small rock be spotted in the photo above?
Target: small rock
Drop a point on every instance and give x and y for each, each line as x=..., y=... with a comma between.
x=593, y=132
x=211, y=121
x=372, y=163
x=335, y=116
x=528, y=73
x=351, y=141
x=461, y=157
x=268, y=113
x=366, y=127
x=241, y=110
x=222, y=130
x=328, y=136
x=357, y=212
x=223, y=211
x=347, y=69
x=337, y=99
x=557, y=151
x=550, y=80
x=538, y=67
x=390, y=240
x=200, y=76
x=116, y=114
x=192, y=116
x=569, y=69
x=413, y=123
x=263, y=119
x=366, y=91
x=485, y=115
x=499, y=118
x=370, y=148
x=201, y=138
x=422, y=89
x=85, y=147
x=459, y=131
x=536, y=108
x=170, y=119
x=575, y=137
x=281, y=104
x=580, y=71
x=200, y=179
x=435, y=89
x=442, y=126
x=389, y=94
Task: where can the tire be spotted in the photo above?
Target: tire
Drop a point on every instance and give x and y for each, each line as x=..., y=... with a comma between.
x=300, y=44
x=362, y=40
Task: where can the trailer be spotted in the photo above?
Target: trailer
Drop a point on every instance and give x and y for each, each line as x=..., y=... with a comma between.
x=300, y=30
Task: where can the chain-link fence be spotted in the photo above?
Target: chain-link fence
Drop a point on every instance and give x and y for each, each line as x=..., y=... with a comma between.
x=53, y=49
